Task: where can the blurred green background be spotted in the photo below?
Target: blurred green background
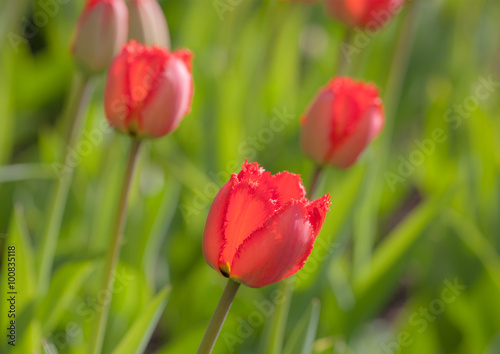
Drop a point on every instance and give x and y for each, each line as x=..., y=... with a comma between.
x=379, y=278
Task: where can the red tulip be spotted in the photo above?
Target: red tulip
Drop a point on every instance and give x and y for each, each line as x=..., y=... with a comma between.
x=371, y=14
x=147, y=23
x=342, y=120
x=261, y=228
x=148, y=90
x=101, y=32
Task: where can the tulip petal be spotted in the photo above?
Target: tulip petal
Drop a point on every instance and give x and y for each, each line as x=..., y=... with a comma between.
x=147, y=23
x=213, y=236
x=101, y=31
x=343, y=118
x=351, y=101
x=116, y=95
x=144, y=74
x=131, y=79
x=251, y=171
x=287, y=186
x=276, y=250
x=371, y=14
x=346, y=154
x=249, y=207
x=169, y=99
x=377, y=119
x=316, y=211
x=348, y=12
x=315, y=137
x=186, y=57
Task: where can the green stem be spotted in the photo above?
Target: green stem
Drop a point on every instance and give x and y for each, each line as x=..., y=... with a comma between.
x=313, y=186
x=218, y=317
x=113, y=253
x=82, y=90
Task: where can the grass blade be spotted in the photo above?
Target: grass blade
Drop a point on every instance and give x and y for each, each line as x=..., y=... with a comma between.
x=137, y=338
x=65, y=284
x=304, y=334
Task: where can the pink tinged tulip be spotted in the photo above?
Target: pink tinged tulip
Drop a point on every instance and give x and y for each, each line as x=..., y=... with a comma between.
x=260, y=228
x=370, y=14
x=148, y=24
x=342, y=120
x=101, y=32
x=148, y=90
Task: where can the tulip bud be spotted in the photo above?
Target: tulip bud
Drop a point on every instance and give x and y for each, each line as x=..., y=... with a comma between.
x=147, y=23
x=260, y=228
x=370, y=14
x=148, y=90
x=342, y=120
x=101, y=32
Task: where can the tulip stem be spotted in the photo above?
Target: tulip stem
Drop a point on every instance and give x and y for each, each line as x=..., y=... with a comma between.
x=218, y=318
x=79, y=99
x=313, y=186
x=113, y=251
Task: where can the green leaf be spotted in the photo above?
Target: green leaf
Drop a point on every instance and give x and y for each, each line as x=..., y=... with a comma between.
x=23, y=288
x=280, y=317
x=64, y=285
x=187, y=343
x=159, y=215
x=477, y=243
x=375, y=281
x=398, y=242
x=304, y=334
x=138, y=336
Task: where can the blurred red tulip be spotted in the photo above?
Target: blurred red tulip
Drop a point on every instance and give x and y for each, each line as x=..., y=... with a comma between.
x=261, y=228
x=342, y=120
x=370, y=14
x=148, y=24
x=148, y=90
x=101, y=32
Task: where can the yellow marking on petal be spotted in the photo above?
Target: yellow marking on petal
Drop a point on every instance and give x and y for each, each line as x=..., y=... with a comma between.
x=225, y=269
